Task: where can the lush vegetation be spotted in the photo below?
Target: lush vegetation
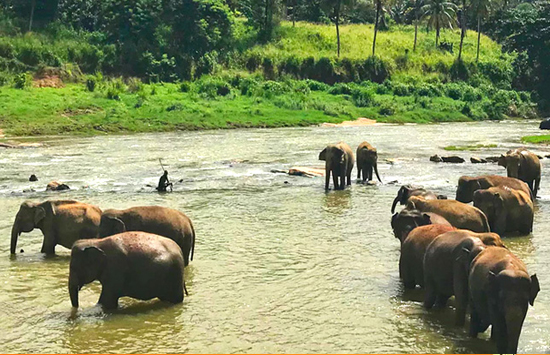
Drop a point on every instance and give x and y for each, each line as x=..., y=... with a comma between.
x=144, y=65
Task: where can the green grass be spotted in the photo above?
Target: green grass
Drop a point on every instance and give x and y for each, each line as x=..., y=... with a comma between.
x=316, y=40
x=469, y=147
x=544, y=139
x=74, y=110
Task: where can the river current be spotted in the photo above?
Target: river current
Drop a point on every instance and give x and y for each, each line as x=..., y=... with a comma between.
x=280, y=265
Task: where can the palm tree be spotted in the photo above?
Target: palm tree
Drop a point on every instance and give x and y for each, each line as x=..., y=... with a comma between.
x=481, y=9
x=379, y=9
x=462, y=28
x=336, y=8
x=440, y=14
x=417, y=5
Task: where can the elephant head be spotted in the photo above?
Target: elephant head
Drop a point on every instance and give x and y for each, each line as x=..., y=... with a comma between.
x=30, y=216
x=405, y=221
x=87, y=264
x=511, y=161
x=492, y=204
x=510, y=293
x=466, y=188
x=110, y=225
x=333, y=155
x=403, y=195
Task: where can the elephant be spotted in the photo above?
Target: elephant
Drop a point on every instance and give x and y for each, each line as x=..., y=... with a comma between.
x=413, y=248
x=367, y=160
x=507, y=210
x=524, y=165
x=405, y=221
x=468, y=185
x=500, y=291
x=163, y=221
x=339, y=160
x=459, y=214
x=61, y=222
x=406, y=191
x=57, y=186
x=446, y=266
x=135, y=264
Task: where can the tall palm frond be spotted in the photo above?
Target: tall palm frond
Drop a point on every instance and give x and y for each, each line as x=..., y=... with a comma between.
x=439, y=14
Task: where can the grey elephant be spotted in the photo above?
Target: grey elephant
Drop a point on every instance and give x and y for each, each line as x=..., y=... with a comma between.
x=340, y=161
x=367, y=160
x=459, y=214
x=134, y=264
x=405, y=221
x=524, y=165
x=407, y=191
x=507, y=210
x=159, y=220
x=447, y=264
x=500, y=293
x=61, y=221
x=467, y=185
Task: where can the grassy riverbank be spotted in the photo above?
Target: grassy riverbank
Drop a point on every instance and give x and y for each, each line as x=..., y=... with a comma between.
x=295, y=80
x=234, y=101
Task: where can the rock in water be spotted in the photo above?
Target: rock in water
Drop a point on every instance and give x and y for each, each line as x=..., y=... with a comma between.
x=436, y=158
x=545, y=124
x=33, y=178
x=57, y=186
x=476, y=160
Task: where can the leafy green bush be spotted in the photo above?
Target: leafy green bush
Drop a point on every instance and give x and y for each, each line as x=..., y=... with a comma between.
x=212, y=87
x=459, y=71
x=115, y=88
x=362, y=97
x=340, y=89
x=268, y=68
x=22, y=81
x=135, y=85
x=273, y=88
x=454, y=91
x=324, y=71
x=387, y=109
x=315, y=85
x=291, y=66
x=401, y=89
x=375, y=69
x=185, y=86
x=91, y=83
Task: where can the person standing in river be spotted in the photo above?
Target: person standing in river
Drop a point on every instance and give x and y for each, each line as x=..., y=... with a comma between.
x=164, y=182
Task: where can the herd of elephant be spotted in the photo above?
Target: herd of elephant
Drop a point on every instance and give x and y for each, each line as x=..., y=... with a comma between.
x=451, y=248
x=138, y=252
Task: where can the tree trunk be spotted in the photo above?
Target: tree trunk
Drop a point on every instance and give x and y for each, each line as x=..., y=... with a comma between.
x=437, y=37
x=478, y=35
x=463, y=29
x=33, y=5
x=415, y=25
x=294, y=14
x=378, y=6
x=338, y=25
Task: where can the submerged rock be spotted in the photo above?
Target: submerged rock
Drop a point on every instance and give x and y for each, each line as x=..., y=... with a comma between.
x=447, y=159
x=33, y=178
x=301, y=171
x=545, y=124
x=492, y=159
x=57, y=186
x=476, y=160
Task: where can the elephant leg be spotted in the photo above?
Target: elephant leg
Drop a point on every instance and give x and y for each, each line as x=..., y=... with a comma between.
x=358, y=172
x=108, y=299
x=349, y=178
x=537, y=185
x=364, y=174
x=475, y=323
x=342, y=179
x=48, y=244
x=405, y=273
x=441, y=300
x=461, y=297
x=327, y=179
x=369, y=173
x=429, y=296
x=335, y=180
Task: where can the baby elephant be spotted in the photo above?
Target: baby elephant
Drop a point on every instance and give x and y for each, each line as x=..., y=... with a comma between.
x=133, y=264
x=339, y=160
x=367, y=160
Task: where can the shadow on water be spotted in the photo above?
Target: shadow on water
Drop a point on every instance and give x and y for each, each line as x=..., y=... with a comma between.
x=337, y=201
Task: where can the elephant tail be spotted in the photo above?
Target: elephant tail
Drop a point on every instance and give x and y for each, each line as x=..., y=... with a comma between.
x=193, y=243
x=485, y=221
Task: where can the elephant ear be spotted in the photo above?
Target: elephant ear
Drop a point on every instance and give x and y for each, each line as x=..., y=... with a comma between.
x=39, y=214
x=426, y=219
x=535, y=288
x=115, y=225
x=93, y=257
x=499, y=203
x=492, y=287
x=323, y=154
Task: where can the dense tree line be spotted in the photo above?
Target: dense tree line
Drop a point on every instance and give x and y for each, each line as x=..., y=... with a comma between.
x=176, y=39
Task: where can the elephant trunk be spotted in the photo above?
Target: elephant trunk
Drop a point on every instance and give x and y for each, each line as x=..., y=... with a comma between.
x=376, y=171
x=73, y=290
x=514, y=322
x=15, y=232
x=394, y=203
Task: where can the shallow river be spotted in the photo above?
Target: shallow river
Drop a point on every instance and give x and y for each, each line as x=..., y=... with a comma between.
x=280, y=265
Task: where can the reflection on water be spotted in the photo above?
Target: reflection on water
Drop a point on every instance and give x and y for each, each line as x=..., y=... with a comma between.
x=280, y=265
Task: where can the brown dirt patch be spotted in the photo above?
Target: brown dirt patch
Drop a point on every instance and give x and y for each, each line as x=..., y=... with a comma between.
x=53, y=81
x=361, y=121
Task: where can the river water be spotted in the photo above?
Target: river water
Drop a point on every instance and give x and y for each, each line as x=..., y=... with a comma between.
x=280, y=265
